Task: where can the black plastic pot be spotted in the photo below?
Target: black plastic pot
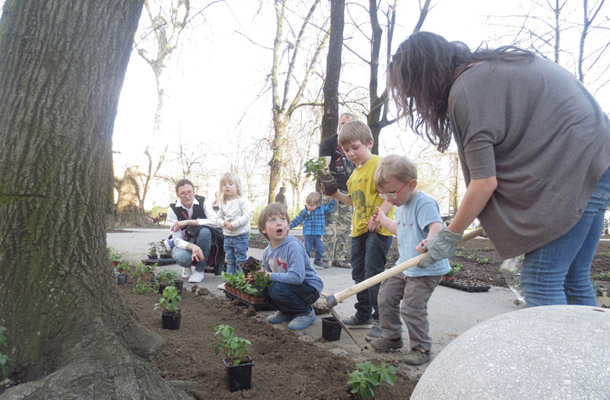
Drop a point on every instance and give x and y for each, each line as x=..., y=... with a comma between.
x=121, y=279
x=179, y=284
x=239, y=376
x=331, y=330
x=171, y=321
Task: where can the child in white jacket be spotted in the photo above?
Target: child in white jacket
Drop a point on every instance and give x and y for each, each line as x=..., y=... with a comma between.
x=234, y=214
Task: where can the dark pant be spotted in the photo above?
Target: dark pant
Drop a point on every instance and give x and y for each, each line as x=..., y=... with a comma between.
x=183, y=256
x=291, y=299
x=369, y=253
x=315, y=242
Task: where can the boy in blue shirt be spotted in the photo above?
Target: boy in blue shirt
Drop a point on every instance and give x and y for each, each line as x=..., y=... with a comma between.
x=296, y=285
x=313, y=218
x=417, y=220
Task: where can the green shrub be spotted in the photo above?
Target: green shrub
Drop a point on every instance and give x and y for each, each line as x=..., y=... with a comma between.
x=366, y=379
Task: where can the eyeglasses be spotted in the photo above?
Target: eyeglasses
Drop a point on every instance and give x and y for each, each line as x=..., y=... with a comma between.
x=393, y=195
x=187, y=193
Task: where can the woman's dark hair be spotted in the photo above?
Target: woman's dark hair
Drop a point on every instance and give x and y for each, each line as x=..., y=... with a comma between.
x=421, y=74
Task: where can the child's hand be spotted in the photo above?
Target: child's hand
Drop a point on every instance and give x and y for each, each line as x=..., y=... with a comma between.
x=227, y=224
x=420, y=246
x=178, y=225
x=373, y=225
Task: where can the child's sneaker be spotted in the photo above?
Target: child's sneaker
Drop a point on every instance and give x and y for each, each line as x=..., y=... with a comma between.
x=302, y=321
x=356, y=322
x=278, y=317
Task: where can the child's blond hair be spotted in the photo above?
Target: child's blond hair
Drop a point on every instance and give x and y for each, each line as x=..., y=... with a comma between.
x=400, y=167
x=268, y=212
x=232, y=178
x=313, y=199
x=352, y=131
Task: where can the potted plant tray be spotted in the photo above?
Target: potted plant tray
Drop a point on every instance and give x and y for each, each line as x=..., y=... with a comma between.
x=258, y=303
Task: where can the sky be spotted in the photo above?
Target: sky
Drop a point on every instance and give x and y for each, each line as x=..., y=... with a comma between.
x=218, y=74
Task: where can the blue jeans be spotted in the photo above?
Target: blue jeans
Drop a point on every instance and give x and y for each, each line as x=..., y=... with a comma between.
x=369, y=253
x=183, y=256
x=314, y=241
x=291, y=299
x=559, y=272
x=236, y=248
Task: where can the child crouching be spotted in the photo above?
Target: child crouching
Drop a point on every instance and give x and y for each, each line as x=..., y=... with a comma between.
x=296, y=285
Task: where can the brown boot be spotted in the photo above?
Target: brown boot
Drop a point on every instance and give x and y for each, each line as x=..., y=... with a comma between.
x=417, y=356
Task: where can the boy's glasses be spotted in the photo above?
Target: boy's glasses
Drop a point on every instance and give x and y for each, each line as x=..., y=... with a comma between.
x=393, y=195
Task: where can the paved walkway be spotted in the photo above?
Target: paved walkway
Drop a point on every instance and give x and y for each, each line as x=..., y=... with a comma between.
x=451, y=311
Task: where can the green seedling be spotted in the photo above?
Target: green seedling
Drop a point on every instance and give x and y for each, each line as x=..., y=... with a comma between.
x=169, y=301
x=234, y=349
x=483, y=260
x=368, y=377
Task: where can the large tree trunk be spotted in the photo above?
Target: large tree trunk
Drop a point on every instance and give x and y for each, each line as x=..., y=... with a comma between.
x=330, y=119
x=61, y=72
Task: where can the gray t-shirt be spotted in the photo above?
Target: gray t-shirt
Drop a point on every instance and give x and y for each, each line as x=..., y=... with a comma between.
x=535, y=127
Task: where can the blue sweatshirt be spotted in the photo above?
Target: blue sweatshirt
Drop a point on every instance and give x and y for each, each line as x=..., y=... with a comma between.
x=289, y=263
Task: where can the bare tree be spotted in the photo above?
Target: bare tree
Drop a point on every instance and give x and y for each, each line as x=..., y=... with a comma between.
x=573, y=33
x=287, y=47
x=70, y=334
x=377, y=110
x=330, y=119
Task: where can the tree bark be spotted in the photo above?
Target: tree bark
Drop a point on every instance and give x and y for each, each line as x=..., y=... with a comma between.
x=330, y=119
x=61, y=73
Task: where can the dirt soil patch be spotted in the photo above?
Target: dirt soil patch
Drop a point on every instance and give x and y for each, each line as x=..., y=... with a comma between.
x=284, y=366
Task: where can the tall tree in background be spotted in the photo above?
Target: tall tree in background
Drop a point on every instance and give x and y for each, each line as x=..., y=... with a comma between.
x=284, y=100
x=377, y=117
x=61, y=72
x=572, y=33
x=330, y=119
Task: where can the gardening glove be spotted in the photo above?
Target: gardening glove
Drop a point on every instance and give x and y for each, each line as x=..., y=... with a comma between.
x=441, y=246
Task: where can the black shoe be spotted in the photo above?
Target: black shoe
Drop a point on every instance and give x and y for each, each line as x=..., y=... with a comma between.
x=341, y=264
x=358, y=323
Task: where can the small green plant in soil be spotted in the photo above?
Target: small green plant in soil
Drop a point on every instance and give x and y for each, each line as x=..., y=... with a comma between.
x=368, y=377
x=114, y=257
x=315, y=168
x=167, y=277
x=604, y=254
x=122, y=268
x=455, y=267
x=5, y=361
x=152, y=249
x=168, y=303
x=486, y=248
x=458, y=254
x=483, y=260
x=144, y=277
x=234, y=348
x=604, y=276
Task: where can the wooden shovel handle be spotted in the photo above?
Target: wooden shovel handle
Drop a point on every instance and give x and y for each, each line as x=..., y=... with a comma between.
x=382, y=276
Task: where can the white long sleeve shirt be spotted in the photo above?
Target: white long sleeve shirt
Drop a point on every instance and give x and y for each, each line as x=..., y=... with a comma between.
x=173, y=218
x=239, y=210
